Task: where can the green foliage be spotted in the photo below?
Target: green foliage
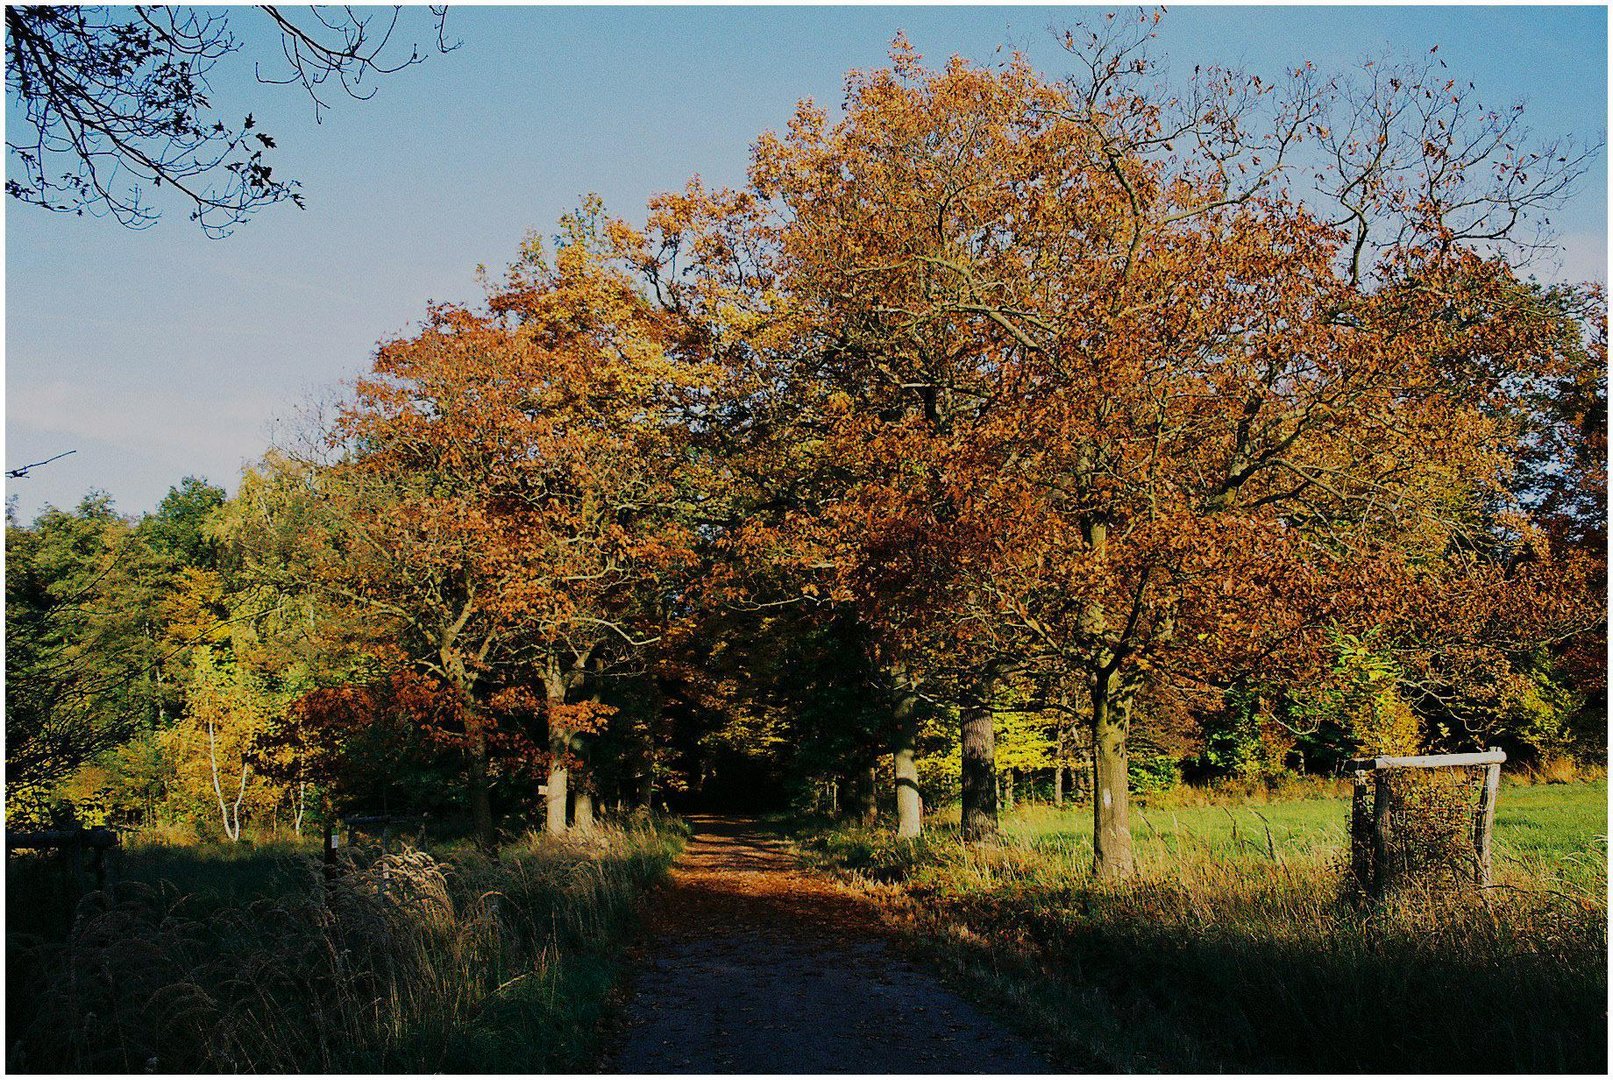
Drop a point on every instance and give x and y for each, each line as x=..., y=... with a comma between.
x=1025, y=739
x=83, y=654
x=1361, y=699
x=180, y=527
x=940, y=757
x=1232, y=742
x=1149, y=774
x=1541, y=715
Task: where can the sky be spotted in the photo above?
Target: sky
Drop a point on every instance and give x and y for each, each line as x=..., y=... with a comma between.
x=161, y=354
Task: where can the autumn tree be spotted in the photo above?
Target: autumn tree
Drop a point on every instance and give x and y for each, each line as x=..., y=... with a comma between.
x=229, y=712
x=1243, y=432
x=1105, y=400
x=511, y=490
x=803, y=281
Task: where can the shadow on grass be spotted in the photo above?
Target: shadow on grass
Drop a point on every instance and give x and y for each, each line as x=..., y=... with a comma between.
x=238, y=959
x=1250, y=967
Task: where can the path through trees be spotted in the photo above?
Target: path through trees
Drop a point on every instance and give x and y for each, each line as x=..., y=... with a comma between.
x=757, y=967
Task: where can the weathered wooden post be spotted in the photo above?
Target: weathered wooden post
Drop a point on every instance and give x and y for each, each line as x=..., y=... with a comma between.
x=330, y=842
x=1382, y=798
x=1360, y=844
x=69, y=844
x=1484, y=820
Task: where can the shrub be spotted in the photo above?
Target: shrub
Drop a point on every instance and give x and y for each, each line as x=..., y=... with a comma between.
x=1556, y=769
x=1153, y=773
x=1431, y=816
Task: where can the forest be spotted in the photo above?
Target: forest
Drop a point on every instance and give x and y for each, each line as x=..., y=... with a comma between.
x=1005, y=443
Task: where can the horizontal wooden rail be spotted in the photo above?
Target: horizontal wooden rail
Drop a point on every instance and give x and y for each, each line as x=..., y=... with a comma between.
x=1429, y=761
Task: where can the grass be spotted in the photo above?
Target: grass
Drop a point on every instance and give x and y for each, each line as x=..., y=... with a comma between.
x=1235, y=949
x=254, y=959
x=1546, y=836
x=42, y=896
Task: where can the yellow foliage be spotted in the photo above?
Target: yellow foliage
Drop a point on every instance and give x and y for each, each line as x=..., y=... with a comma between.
x=1385, y=724
x=216, y=745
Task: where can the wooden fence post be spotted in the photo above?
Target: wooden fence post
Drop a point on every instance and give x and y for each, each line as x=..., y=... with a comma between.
x=329, y=845
x=1382, y=796
x=1375, y=866
x=1360, y=833
x=1484, y=826
x=69, y=845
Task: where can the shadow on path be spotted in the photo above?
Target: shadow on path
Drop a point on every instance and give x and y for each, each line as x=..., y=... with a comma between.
x=755, y=966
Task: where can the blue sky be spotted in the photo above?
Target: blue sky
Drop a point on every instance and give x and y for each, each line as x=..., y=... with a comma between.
x=160, y=353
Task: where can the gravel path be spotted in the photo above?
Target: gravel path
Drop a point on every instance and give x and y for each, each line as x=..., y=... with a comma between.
x=755, y=966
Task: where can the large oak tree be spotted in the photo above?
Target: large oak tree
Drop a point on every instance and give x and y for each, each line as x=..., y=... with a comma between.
x=1096, y=392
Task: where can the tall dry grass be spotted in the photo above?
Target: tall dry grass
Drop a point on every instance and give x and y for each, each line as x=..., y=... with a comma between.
x=394, y=961
x=1221, y=958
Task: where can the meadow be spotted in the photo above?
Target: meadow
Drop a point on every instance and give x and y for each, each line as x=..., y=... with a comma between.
x=254, y=957
x=1239, y=948
x=1548, y=836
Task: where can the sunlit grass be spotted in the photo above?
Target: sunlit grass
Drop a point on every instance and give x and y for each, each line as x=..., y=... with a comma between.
x=1545, y=835
x=1237, y=948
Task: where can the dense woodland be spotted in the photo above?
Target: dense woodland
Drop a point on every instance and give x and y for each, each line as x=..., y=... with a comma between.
x=1002, y=437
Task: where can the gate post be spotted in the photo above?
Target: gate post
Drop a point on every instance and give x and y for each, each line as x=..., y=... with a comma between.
x=1484, y=824
x=1382, y=796
x=1360, y=828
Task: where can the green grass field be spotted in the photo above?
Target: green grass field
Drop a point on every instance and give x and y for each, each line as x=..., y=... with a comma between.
x=1546, y=835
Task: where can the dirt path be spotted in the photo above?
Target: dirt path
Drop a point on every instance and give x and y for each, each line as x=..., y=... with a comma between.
x=755, y=966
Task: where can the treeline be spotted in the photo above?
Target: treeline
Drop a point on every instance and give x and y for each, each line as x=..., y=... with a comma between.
x=1003, y=429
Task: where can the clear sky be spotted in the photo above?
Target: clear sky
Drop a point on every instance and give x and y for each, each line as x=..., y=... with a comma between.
x=159, y=354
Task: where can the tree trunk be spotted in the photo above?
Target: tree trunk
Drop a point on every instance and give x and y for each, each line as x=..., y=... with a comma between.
x=1008, y=789
x=218, y=788
x=582, y=809
x=1111, y=715
x=648, y=790
x=481, y=793
x=559, y=775
x=909, y=802
x=556, y=800
x=583, y=796
x=582, y=785
x=979, y=772
x=1060, y=754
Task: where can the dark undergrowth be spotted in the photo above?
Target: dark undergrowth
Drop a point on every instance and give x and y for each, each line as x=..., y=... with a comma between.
x=1215, y=962
x=260, y=961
